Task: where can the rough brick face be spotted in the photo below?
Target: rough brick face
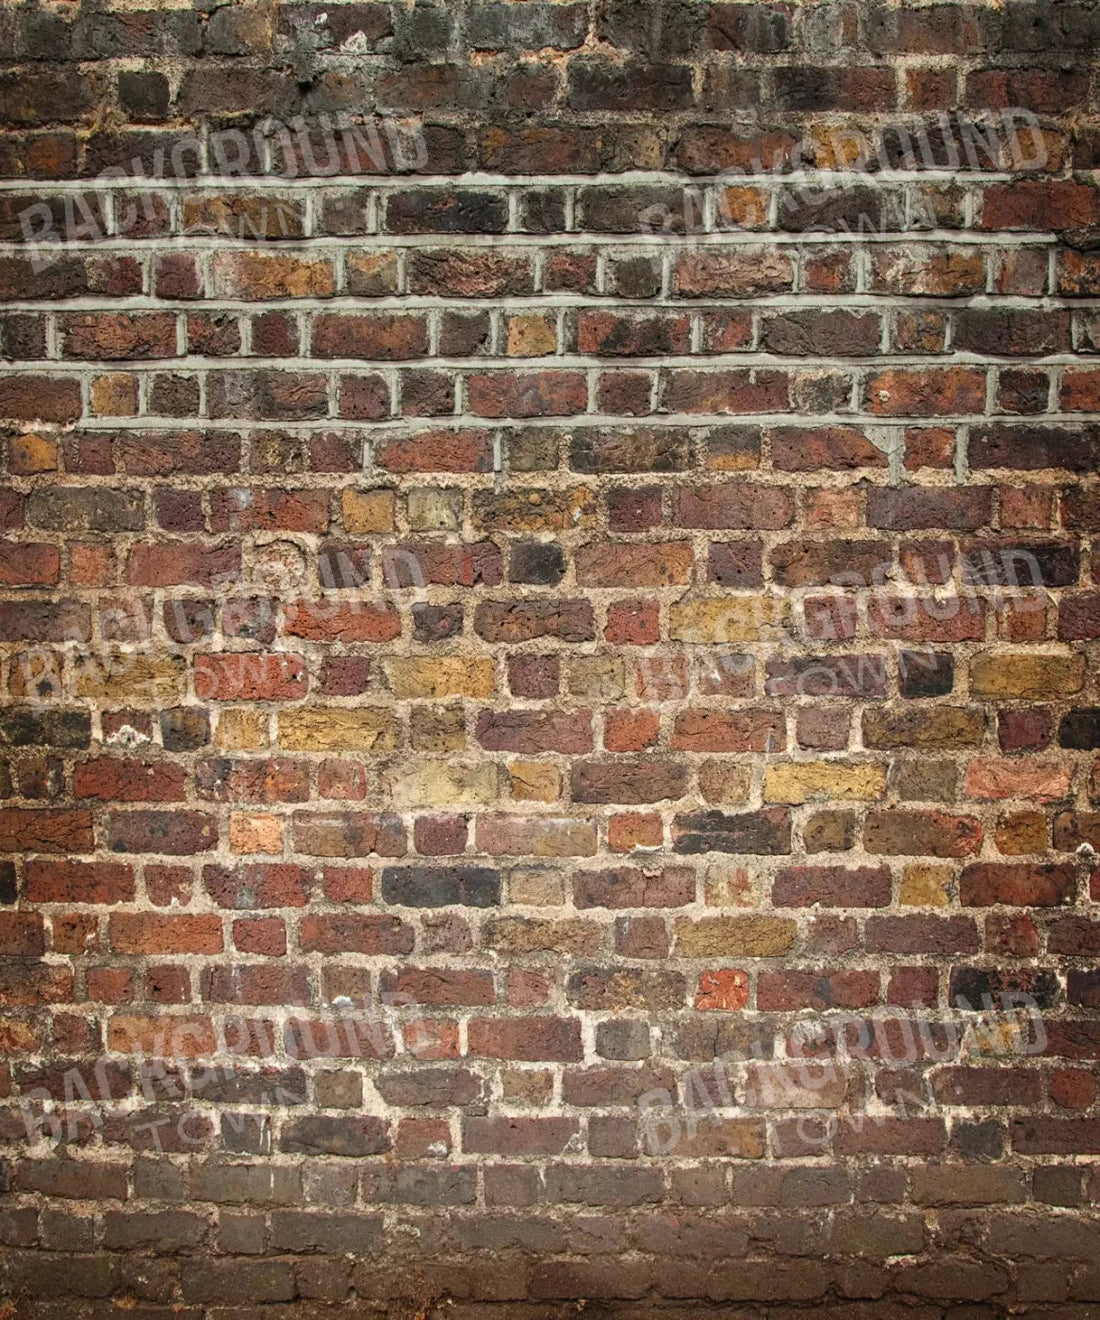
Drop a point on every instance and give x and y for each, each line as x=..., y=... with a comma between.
x=549, y=659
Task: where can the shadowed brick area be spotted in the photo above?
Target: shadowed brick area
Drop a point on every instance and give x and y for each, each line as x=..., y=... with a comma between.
x=549, y=672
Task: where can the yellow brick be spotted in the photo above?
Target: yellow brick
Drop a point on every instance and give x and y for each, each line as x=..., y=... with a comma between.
x=32, y=453
x=126, y=679
x=731, y=619
x=534, y=935
x=527, y=1086
x=437, y=729
x=720, y=781
x=115, y=395
x=597, y=677
x=729, y=886
x=535, y=781
x=734, y=937
x=835, y=147
x=535, y=888
x=1010, y=675
x=254, y=832
x=436, y=783
x=443, y=676
x=532, y=510
x=800, y=781
x=36, y=674
x=742, y=208
x=368, y=510
x=332, y=729
x=1022, y=832
x=1011, y=1035
x=242, y=729
x=270, y=275
x=531, y=336
x=434, y=509
x=925, y=886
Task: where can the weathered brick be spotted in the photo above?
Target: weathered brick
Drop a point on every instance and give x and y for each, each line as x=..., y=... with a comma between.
x=762, y=534
x=45, y=829
x=530, y=1038
x=438, y=886
x=77, y=882
x=765, y=832
x=832, y=886
x=178, y=833
x=1016, y=884
x=921, y=834
x=317, y=1134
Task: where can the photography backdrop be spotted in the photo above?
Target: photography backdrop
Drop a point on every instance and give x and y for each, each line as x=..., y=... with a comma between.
x=548, y=640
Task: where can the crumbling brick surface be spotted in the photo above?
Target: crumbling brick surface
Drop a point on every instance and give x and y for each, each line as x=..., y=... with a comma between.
x=549, y=619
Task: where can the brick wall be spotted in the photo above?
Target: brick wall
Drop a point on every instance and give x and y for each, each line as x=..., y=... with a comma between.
x=548, y=640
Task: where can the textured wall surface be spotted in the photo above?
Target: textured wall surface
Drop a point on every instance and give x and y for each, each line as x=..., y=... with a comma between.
x=549, y=615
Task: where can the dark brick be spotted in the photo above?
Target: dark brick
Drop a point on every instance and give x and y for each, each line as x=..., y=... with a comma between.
x=438, y=886
x=536, y=563
x=925, y=673
x=319, y=1134
x=766, y=832
x=1079, y=729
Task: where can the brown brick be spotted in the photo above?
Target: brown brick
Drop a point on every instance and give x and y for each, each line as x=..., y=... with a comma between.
x=1018, y=884
x=832, y=886
x=530, y=1038
x=178, y=833
x=651, y=714
x=77, y=882
x=921, y=834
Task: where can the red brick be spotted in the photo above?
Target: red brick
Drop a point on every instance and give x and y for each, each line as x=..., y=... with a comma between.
x=729, y=731
x=532, y=732
x=161, y=1037
x=45, y=829
x=258, y=885
x=1018, y=884
x=632, y=886
x=340, y=621
x=725, y=392
x=1029, y=204
x=246, y=676
x=21, y=934
x=629, y=731
x=439, y=987
x=29, y=564
x=791, y=990
x=264, y=935
x=109, y=778
x=832, y=886
x=438, y=451
x=931, y=392
x=250, y=510
x=40, y=398
x=178, y=833
x=354, y=934
x=142, y=932
x=532, y=1038
x=633, y=623
x=182, y=565
x=77, y=882
x=921, y=834
x=527, y=394
x=377, y=337
x=116, y=335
